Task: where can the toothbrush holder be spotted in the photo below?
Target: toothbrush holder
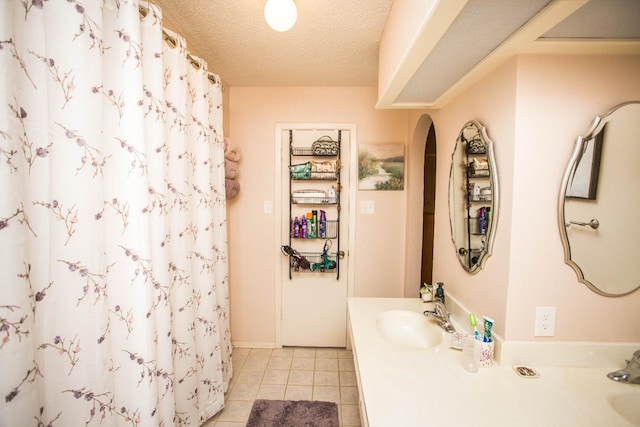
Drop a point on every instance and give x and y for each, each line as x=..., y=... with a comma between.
x=486, y=355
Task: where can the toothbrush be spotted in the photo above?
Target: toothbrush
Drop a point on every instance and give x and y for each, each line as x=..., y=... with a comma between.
x=472, y=321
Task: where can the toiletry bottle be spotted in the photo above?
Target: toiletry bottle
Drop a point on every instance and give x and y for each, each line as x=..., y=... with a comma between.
x=311, y=232
x=476, y=191
x=303, y=227
x=332, y=194
x=482, y=220
x=440, y=292
x=426, y=292
x=323, y=224
x=316, y=233
x=296, y=228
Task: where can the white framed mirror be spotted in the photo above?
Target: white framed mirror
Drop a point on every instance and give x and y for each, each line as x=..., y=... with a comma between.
x=599, y=202
x=473, y=196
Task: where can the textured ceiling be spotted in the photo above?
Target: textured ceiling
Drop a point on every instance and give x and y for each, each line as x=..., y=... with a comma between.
x=334, y=42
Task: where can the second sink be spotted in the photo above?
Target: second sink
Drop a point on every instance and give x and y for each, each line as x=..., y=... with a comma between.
x=628, y=406
x=408, y=328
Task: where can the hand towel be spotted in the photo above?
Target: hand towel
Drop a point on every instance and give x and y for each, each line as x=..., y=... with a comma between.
x=231, y=169
x=232, y=188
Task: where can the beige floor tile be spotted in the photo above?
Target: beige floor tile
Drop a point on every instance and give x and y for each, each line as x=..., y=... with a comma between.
x=238, y=360
x=350, y=415
x=343, y=353
x=235, y=410
x=264, y=352
x=304, y=352
x=298, y=392
x=211, y=422
x=256, y=362
x=300, y=378
x=250, y=376
x=241, y=350
x=279, y=363
x=283, y=352
x=271, y=391
x=346, y=365
x=234, y=379
x=303, y=363
x=348, y=378
x=244, y=392
x=326, y=353
x=276, y=376
x=326, y=393
x=325, y=378
x=295, y=373
x=349, y=395
x=326, y=364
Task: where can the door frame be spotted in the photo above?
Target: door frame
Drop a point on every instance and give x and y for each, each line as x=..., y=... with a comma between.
x=347, y=210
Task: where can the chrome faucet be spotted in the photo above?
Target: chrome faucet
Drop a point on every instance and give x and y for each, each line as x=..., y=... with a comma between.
x=630, y=374
x=440, y=314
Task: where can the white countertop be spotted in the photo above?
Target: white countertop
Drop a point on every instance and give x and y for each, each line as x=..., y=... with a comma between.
x=406, y=387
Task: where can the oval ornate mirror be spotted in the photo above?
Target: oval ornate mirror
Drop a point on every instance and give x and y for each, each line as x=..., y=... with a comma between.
x=473, y=196
x=599, y=200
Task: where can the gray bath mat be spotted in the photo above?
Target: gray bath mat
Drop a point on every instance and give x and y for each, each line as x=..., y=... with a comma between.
x=293, y=413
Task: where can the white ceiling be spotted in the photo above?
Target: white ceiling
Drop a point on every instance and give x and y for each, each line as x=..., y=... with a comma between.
x=335, y=42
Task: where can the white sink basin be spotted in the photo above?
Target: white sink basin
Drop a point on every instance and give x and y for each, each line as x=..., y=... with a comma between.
x=627, y=405
x=408, y=328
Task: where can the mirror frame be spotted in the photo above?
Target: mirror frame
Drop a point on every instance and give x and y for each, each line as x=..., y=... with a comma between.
x=495, y=197
x=596, y=127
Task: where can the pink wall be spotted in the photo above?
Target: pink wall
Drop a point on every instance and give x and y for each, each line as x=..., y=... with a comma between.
x=492, y=104
x=558, y=98
x=253, y=113
x=534, y=107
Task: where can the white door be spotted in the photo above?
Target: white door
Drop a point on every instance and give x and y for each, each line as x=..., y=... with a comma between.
x=314, y=303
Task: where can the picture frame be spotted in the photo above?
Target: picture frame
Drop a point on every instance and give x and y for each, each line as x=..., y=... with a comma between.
x=381, y=167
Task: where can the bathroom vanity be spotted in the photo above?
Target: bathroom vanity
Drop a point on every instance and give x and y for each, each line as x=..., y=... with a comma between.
x=401, y=385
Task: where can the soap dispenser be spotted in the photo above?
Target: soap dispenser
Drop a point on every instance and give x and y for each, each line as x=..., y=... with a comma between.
x=440, y=292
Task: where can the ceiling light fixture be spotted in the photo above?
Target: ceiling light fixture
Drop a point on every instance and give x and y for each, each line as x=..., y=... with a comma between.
x=281, y=15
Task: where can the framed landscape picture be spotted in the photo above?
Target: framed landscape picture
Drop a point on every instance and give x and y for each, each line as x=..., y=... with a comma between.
x=381, y=167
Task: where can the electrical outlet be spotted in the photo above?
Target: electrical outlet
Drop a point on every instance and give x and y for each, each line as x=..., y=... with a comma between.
x=545, y=321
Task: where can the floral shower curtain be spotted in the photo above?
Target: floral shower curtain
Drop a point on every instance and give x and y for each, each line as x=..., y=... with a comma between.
x=113, y=254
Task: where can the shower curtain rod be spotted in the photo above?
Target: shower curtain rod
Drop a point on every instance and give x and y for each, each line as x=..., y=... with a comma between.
x=173, y=43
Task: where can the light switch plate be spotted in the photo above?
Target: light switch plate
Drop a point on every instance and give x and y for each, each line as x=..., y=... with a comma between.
x=267, y=207
x=367, y=207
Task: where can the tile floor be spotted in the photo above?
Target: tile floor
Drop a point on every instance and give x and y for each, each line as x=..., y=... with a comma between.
x=299, y=373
